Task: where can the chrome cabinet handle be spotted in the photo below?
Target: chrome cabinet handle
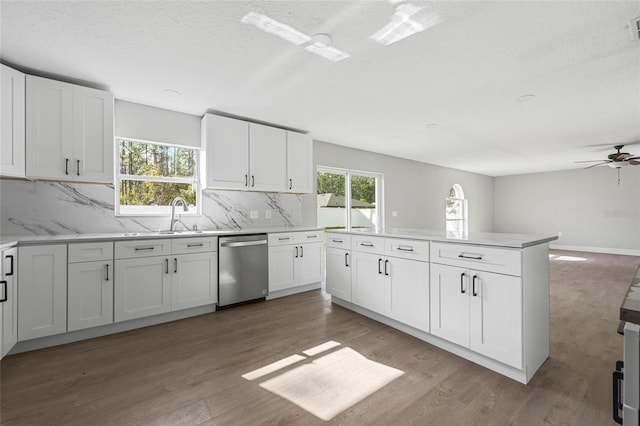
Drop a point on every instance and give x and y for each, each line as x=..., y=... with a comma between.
x=4, y=291
x=474, y=285
x=78, y=169
x=66, y=166
x=10, y=256
x=386, y=262
x=462, y=290
x=346, y=259
x=470, y=256
x=107, y=268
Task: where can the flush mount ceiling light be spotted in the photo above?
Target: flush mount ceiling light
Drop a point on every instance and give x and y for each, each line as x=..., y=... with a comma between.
x=320, y=44
x=407, y=20
x=432, y=125
x=525, y=98
x=171, y=93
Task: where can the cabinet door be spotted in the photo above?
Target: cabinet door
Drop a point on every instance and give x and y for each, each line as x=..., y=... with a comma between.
x=310, y=263
x=92, y=135
x=267, y=158
x=496, y=317
x=142, y=287
x=90, y=294
x=450, y=287
x=299, y=163
x=12, y=143
x=226, y=146
x=195, y=280
x=42, y=291
x=282, y=267
x=339, y=273
x=367, y=281
x=10, y=308
x=49, y=128
x=407, y=292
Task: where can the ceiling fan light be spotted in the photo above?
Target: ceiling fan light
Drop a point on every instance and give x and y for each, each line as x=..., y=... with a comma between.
x=618, y=164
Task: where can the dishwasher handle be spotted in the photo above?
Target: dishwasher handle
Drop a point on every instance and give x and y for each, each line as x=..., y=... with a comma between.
x=243, y=243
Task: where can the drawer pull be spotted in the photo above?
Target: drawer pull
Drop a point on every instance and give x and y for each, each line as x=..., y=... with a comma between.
x=195, y=245
x=312, y=236
x=144, y=248
x=405, y=248
x=470, y=256
x=336, y=241
x=284, y=238
x=366, y=244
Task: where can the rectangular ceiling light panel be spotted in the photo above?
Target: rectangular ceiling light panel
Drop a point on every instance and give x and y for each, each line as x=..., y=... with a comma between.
x=407, y=20
x=271, y=26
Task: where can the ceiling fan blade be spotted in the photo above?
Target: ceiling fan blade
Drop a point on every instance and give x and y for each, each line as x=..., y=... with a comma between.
x=599, y=164
x=591, y=161
x=635, y=162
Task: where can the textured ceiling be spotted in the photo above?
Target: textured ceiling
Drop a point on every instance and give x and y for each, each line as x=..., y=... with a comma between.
x=464, y=73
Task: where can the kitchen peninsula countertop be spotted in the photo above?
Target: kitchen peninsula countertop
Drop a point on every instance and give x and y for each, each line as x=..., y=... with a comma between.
x=144, y=235
x=474, y=238
x=630, y=309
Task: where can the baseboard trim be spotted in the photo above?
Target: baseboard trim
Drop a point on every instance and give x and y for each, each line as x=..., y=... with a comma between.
x=293, y=290
x=606, y=250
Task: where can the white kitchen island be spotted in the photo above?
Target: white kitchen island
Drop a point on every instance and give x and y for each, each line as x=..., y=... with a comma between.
x=484, y=297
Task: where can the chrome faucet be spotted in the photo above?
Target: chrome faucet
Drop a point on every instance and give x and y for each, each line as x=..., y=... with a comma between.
x=173, y=211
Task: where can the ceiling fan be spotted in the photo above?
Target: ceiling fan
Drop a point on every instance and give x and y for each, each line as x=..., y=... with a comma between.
x=616, y=160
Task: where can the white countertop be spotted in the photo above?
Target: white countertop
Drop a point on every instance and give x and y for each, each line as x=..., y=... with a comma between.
x=74, y=238
x=477, y=238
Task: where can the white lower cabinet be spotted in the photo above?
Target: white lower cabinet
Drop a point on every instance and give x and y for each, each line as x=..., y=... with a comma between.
x=42, y=291
x=194, y=281
x=143, y=287
x=479, y=310
x=294, y=262
x=9, y=307
x=407, y=292
x=367, y=281
x=339, y=273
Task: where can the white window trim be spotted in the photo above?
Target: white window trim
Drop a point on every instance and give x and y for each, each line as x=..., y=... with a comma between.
x=156, y=211
x=347, y=182
x=462, y=218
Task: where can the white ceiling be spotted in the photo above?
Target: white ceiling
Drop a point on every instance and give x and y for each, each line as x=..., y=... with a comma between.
x=465, y=73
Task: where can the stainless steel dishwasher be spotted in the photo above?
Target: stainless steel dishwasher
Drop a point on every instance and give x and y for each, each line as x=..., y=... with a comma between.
x=243, y=268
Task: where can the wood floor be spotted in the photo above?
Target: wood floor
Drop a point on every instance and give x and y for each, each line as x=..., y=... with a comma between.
x=189, y=372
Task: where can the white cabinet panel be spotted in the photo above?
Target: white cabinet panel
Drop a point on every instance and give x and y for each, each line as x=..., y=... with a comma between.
x=339, y=273
x=42, y=291
x=282, y=267
x=267, y=158
x=367, y=281
x=90, y=294
x=339, y=240
x=293, y=261
x=407, y=292
x=299, y=163
x=311, y=263
x=496, y=317
x=9, y=308
x=142, y=248
x=491, y=259
x=225, y=144
x=12, y=145
x=195, y=280
x=142, y=287
x=450, y=303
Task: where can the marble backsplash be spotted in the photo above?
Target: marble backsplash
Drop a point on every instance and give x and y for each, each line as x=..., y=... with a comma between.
x=52, y=208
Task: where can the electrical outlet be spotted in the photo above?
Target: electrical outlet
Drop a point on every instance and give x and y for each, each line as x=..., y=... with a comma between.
x=254, y=214
x=394, y=213
x=559, y=233
x=267, y=214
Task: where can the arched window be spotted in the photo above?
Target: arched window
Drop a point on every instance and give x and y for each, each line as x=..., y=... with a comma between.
x=456, y=212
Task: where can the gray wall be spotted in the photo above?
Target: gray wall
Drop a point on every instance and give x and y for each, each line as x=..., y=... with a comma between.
x=591, y=210
x=415, y=190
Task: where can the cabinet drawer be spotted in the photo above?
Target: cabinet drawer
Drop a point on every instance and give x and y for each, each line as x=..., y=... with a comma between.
x=339, y=240
x=90, y=252
x=142, y=248
x=282, y=238
x=309, y=237
x=407, y=249
x=499, y=260
x=367, y=244
x=194, y=245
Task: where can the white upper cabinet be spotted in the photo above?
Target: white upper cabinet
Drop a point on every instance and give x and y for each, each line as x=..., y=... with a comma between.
x=12, y=144
x=248, y=156
x=69, y=131
x=267, y=158
x=299, y=163
x=225, y=146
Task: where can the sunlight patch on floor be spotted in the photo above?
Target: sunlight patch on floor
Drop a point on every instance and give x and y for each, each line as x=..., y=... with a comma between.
x=571, y=258
x=327, y=385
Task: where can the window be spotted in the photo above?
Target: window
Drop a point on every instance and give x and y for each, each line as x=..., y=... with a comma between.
x=150, y=175
x=456, y=212
x=348, y=198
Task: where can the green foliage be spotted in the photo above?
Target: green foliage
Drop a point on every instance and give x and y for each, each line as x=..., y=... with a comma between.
x=363, y=188
x=330, y=183
x=141, y=159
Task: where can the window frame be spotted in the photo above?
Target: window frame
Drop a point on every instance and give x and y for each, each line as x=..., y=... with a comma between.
x=160, y=211
x=462, y=217
x=348, y=173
